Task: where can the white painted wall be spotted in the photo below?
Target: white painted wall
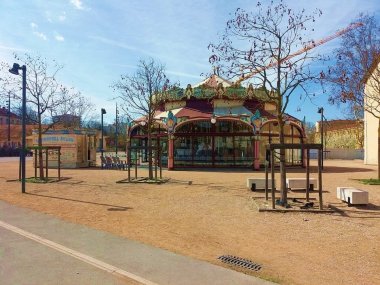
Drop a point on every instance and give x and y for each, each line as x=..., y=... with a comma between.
x=371, y=124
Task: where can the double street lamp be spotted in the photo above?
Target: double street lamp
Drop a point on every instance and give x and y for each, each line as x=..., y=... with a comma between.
x=14, y=70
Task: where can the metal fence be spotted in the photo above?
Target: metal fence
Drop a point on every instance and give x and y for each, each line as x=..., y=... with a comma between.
x=339, y=153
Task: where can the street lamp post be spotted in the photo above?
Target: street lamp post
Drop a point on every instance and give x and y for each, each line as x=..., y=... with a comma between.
x=320, y=111
x=9, y=117
x=116, y=131
x=103, y=111
x=14, y=70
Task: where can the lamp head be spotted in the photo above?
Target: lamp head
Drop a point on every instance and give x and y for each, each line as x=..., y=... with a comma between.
x=103, y=111
x=320, y=110
x=14, y=69
x=213, y=119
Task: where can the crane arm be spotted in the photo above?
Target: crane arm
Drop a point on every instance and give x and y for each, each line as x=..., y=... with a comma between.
x=303, y=50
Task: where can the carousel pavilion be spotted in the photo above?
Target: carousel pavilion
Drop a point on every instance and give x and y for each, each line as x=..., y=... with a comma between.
x=215, y=124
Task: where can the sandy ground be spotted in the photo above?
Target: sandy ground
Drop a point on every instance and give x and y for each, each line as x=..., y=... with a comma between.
x=217, y=215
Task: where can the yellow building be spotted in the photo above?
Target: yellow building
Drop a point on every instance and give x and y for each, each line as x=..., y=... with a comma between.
x=78, y=147
x=340, y=134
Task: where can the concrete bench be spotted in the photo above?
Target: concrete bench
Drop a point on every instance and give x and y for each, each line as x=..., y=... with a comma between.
x=259, y=183
x=352, y=195
x=300, y=183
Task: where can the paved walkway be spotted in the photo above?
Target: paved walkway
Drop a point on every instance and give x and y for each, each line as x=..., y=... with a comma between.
x=39, y=249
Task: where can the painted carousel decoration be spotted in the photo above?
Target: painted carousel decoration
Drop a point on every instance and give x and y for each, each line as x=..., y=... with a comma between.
x=216, y=124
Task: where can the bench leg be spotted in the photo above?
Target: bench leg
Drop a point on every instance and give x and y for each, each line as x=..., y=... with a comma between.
x=253, y=187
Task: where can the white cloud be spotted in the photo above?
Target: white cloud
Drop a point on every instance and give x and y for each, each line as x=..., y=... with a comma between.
x=62, y=17
x=77, y=4
x=59, y=38
x=40, y=35
x=13, y=48
x=113, y=43
x=183, y=74
x=33, y=25
x=48, y=16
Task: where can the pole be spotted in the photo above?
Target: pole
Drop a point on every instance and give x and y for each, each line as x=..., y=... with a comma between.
x=101, y=142
x=23, y=142
x=9, y=117
x=321, y=109
x=272, y=177
x=116, y=134
x=320, y=155
x=307, y=174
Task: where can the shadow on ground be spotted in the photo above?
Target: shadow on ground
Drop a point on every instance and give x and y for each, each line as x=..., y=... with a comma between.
x=113, y=207
x=370, y=211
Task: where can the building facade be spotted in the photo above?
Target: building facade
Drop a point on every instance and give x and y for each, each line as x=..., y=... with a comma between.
x=214, y=125
x=6, y=116
x=78, y=147
x=372, y=115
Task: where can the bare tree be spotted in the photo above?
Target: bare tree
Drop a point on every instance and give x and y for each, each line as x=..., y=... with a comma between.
x=139, y=91
x=357, y=65
x=45, y=95
x=261, y=45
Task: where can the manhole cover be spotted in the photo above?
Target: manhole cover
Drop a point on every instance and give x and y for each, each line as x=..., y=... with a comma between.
x=238, y=261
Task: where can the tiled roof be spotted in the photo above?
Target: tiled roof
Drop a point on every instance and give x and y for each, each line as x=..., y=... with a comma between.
x=4, y=112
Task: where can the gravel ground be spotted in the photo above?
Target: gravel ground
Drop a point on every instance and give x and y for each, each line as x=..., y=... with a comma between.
x=216, y=215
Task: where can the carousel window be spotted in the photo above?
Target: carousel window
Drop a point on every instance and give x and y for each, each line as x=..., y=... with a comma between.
x=202, y=127
x=224, y=126
x=240, y=127
x=292, y=134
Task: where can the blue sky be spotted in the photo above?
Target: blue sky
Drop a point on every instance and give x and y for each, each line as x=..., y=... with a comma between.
x=97, y=41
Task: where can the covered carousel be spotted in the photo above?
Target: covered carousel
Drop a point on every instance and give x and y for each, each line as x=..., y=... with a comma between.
x=215, y=124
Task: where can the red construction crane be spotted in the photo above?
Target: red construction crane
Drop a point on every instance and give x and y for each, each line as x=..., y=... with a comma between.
x=305, y=49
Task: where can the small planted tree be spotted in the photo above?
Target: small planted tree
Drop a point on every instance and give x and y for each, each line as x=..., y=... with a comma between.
x=138, y=92
x=46, y=97
x=354, y=79
x=260, y=46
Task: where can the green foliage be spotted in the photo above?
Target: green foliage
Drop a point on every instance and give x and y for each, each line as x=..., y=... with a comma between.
x=370, y=181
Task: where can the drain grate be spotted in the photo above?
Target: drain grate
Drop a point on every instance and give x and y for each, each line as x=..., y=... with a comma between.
x=238, y=261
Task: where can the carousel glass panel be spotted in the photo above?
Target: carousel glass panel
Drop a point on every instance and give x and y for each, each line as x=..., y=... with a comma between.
x=183, y=154
x=240, y=127
x=293, y=135
x=164, y=150
x=269, y=134
x=199, y=127
x=202, y=151
x=224, y=151
x=244, y=155
x=224, y=127
x=135, y=153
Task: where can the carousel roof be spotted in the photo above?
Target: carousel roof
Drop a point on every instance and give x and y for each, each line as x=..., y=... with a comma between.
x=183, y=112
x=213, y=82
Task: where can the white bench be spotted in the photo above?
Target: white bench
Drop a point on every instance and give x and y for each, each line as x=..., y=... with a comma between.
x=300, y=183
x=352, y=195
x=259, y=183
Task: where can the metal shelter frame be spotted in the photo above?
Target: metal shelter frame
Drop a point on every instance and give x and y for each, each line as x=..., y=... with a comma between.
x=156, y=156
x=270, y=159
x=46, y=149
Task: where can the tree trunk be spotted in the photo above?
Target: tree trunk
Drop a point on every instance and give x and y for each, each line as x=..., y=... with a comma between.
x=283, y=190
x=150, y=164
x=40, y=157
x=378, y=151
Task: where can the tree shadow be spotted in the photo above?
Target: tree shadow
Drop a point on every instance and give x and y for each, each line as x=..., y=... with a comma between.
x=370, y=211
x=329, y=169
x=112, y=207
